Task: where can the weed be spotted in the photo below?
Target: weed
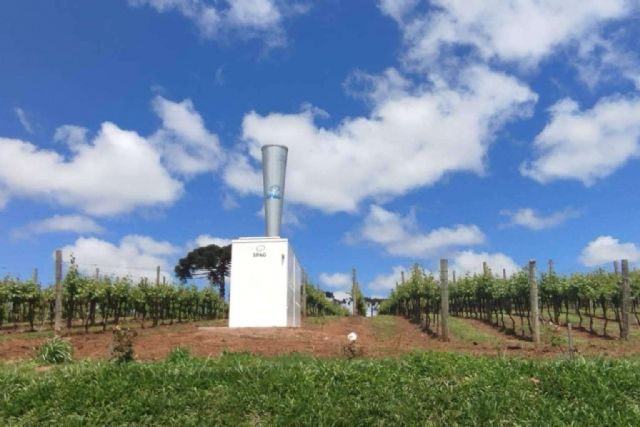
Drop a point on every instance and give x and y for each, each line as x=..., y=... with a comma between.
x=54, y=350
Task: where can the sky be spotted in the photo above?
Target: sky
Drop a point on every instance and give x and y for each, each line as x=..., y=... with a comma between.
x=130, y=133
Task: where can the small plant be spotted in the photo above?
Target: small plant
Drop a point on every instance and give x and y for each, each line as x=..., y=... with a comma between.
x=352, y=349
x=54, y=350
x=122, y=345
x=179, y=354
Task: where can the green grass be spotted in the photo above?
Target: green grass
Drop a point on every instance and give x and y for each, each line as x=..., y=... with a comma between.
x=384, y=327
x=321, y=320
x=239, y=389
x=464, y=330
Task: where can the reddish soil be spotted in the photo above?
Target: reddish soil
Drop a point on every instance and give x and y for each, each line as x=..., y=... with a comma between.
x=323, y=340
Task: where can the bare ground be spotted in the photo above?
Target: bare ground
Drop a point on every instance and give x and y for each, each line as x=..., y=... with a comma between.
x=383, y=336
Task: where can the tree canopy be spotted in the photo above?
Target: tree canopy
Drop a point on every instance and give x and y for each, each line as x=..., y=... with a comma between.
x=212, y=262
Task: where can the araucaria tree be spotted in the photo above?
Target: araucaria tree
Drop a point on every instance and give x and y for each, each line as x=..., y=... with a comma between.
x=212, y=262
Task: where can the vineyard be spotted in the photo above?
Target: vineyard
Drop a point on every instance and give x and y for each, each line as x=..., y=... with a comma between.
x=590, y=301
x=89, y=302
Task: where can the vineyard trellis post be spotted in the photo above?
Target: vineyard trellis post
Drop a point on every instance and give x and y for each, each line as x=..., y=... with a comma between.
x=616, y=267
x=444, y=299
x=354, y=311
x=58, y=290
x=34, y=276
x=453, y=276
x=533, y=302
x=504, y=274
x=304, y=294
x=626, y=300
x=97, y=273
x=551, y=267
x=158, y=276
x=485, y=268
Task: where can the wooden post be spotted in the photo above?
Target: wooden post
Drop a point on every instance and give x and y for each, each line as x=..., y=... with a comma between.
x=570, y=340
x=533, y=302
x=453, y=276
x=97, y=273
x=164, y=280
x=57, y=325
x=551, y=267
x=444, y=300
x=34, y=276
x=304, y=294
x=626, y=300
x=485, y=268
x=616, y=267
x=402, y=277
x=353, y=292
x=504, y=274
x=158, y=276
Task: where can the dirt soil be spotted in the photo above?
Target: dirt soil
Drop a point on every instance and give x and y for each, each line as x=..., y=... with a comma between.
x=396, y=336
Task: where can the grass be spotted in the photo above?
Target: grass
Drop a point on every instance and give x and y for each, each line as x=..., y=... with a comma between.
x=465, y=331
x=384, y=327
x=240, y=389
x=321, y=320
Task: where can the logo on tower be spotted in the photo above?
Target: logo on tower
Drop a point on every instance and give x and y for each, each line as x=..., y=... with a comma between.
x=274, y=192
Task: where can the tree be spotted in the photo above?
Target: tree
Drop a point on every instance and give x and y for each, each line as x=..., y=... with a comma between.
x=212, y=262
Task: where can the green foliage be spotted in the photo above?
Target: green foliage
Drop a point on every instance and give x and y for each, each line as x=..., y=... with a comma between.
x=421, y=389
x=54, y=350
x=319, y=305
x=501, y=301
x=213, y=262
x=109, y=300
x=122, y=345
x=179, y=354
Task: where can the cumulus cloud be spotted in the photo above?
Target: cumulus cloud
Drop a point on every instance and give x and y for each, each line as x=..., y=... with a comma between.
x=606, y=249
x=586, y=145
x=409, y=140
x=242, y=18
x=336, y=281
x=470, y=262
x=23, y=119
x=118, y=170
x=186, y=145
x=524, y=32
x=529, y=218
x=59, y=224
x=206, y=240
x=75, y=137
x=135, y=256
x=386, y=282
x=116, y=173
x=399, y=235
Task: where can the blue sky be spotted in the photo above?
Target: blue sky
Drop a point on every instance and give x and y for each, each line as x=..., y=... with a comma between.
x=130, y=132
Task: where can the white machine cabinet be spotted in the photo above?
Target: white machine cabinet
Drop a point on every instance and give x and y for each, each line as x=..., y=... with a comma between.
x=266, y=279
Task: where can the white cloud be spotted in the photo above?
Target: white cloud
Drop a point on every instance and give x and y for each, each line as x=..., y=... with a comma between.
x=336, y=281
x=586, y=145
x=206, y=240
x=471, y=262
x=59, y=223
x=24, y=120
x=605, y=59
x=605, y=249
x=529, y=218
x=242, y=18
x=400, y=236
x=387, y=282
x=408, y=141
x=186, y=145
x=135, y=256
x=523, y=31
x=118, y=172
x=75, y=137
